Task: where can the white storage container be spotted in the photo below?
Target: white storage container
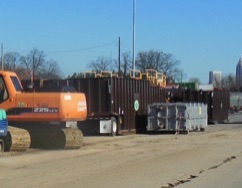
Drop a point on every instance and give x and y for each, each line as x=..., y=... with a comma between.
x=177, y=117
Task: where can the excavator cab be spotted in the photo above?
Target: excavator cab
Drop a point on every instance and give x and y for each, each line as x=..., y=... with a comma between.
x=3, y=91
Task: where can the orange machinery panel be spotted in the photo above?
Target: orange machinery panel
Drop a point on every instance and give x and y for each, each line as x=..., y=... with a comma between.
x=47, y=107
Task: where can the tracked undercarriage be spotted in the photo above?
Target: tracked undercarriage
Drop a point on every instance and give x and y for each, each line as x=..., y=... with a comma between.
x=54, y=137
x=16, y=140
x=43, y=137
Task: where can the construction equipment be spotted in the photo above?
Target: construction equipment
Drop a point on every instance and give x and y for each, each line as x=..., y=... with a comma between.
x=41, y=120
x=161, y=79
x=108, y=74
x=154, y=77
x=135, y=74
x=90, y=74
x=102, y=74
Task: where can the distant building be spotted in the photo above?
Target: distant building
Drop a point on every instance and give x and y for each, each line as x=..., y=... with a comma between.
x=215, y=78
x=239, y=73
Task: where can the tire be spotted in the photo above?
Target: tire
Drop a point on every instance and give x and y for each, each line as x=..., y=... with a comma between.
x=114, y=127
x=1, y=146
x=202, y=129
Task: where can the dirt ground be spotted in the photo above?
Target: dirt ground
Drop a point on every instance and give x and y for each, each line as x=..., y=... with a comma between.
x=200, y=159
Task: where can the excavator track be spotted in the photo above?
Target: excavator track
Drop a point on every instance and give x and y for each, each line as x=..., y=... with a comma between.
x=53, y=137
x=17, y=139
x=74, y=138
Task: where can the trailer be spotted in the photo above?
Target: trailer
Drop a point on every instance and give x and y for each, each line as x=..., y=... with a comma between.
x=114, y=105
x=118, y=105
x=218, y=102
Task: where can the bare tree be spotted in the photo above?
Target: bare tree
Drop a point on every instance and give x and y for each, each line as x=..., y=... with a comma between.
x=160, y=61
x=11, y=61
x=101, y=64
x=228, y=82
x=33, y=65
x=149, y=60
x=125, y=63
x=51, y=70
x=34, y=62
x=169, y=66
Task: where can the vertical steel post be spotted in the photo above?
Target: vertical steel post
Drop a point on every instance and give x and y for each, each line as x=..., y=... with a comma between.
x=134, y=8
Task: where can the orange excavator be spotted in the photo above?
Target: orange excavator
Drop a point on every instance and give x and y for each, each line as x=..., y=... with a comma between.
x=40, y=120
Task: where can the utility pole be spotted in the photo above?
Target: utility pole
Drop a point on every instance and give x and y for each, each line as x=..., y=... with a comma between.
x=119, y=56
x=2, y=57
x=134, y=8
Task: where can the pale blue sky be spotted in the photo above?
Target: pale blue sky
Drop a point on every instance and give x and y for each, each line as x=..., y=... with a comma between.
x=203, y=34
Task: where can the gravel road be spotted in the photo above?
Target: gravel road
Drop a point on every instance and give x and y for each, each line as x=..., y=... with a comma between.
x=200, y=159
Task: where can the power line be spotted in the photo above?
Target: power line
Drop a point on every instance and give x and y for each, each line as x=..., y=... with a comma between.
x=82, y=49
x=67, y=51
